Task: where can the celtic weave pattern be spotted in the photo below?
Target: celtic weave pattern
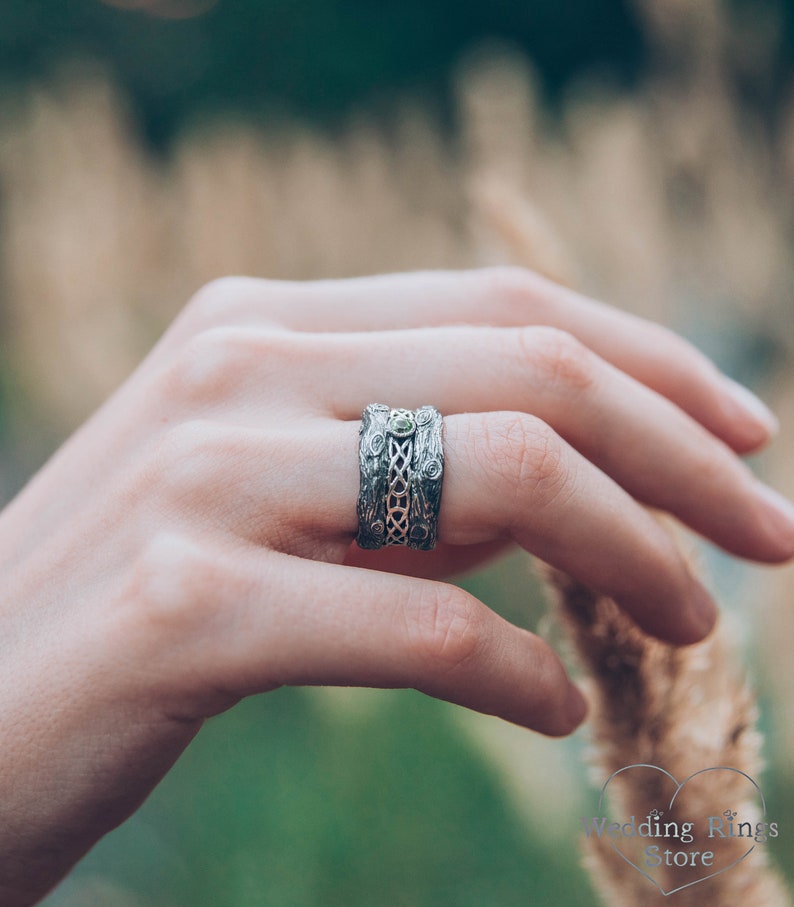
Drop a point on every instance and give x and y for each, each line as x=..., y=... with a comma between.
x=398, y=497
x=401, y=464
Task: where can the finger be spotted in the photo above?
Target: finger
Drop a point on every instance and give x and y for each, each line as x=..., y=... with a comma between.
x=648, y=445
x=512, y=471
x=660, y=455
x=502, y=297
x=509, y=475
x=252, y=622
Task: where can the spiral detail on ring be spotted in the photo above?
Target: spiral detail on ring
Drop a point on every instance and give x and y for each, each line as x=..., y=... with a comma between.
x=401, y=463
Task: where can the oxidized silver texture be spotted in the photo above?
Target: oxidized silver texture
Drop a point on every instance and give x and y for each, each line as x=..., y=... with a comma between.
x=402, y=468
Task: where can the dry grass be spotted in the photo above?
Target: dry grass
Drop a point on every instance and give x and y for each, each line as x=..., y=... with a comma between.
x=673, y=202
x=671, y=199
x=683, y=710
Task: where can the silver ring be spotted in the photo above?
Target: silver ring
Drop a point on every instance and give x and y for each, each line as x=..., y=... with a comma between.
x=401, y=460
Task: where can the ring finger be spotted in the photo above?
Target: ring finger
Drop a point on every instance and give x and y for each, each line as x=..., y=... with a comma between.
x=507, y=475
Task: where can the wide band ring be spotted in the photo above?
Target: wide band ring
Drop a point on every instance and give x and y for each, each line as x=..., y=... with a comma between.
x=401, y=460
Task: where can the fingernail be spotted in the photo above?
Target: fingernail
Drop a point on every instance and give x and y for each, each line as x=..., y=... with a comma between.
x=779, y=508
x=751, y=406
x=576, y=706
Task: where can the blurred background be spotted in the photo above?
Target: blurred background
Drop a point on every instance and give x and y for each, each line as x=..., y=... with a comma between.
x=642, y=151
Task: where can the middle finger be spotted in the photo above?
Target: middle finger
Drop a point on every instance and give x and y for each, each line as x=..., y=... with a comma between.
x=649, y=446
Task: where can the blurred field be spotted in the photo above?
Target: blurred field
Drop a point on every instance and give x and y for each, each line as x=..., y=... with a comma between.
x=674, y=202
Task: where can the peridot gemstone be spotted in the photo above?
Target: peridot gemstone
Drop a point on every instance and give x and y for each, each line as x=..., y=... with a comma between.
x=401, y=424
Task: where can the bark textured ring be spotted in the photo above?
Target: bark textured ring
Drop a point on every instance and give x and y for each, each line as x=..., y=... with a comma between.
x=401, y=460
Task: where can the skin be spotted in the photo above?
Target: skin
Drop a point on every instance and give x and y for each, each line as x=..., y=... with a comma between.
x=192, y=542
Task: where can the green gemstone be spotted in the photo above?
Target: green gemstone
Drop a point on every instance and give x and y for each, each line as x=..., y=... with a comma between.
x=401, y=424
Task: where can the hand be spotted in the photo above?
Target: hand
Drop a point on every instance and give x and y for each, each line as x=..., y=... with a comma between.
x=191, y=543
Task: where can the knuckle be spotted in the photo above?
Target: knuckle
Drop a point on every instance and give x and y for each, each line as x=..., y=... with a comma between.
x=511, y=284
x=170, y=584
x=526, y=451
x=209, y=471
x=225, y=298
x=446, y=629
x=188, y=458
x=215, y=300
x=187, y=442
x=217, y=361
x=561, y=361
x=208, y=365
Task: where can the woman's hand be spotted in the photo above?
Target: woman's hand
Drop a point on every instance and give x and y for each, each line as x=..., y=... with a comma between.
x=192, y=543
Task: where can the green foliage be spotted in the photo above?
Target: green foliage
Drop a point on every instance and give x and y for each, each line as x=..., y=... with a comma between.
x=281, y=803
